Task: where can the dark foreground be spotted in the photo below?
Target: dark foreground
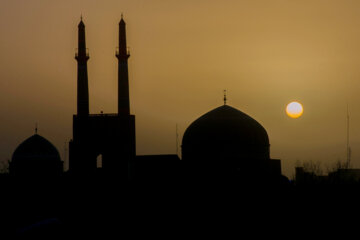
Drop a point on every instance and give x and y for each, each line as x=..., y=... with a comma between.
x=84, y=208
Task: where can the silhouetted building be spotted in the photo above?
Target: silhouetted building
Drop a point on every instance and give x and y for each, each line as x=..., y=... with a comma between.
x=339, y=176
x=163, y=168
x=224, y=142
x=110, y=135
x=345, y=176
x=228, y=142
x=304, y=177
x=36, y=157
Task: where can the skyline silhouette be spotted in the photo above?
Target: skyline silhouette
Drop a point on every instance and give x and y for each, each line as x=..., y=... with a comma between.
x=223, y=144
x=180, y=67
x=103, y=173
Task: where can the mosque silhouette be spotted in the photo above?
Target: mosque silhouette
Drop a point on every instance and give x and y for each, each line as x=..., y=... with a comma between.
x=223, y=144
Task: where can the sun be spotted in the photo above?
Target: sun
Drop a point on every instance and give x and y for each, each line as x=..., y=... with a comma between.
x=294, y=109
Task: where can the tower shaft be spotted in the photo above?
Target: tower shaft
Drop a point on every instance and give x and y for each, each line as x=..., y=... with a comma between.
x=123, y=76
x=82, y=76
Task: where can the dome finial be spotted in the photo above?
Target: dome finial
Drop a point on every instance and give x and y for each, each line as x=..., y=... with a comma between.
x=36, y=128
x=225, y=97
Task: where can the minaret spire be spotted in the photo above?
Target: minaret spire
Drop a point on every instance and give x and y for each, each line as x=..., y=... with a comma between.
x=122, y=55
x=82, y=57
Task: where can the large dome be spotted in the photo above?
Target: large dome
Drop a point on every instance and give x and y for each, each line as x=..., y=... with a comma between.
x=36, y=155
x=225, y=133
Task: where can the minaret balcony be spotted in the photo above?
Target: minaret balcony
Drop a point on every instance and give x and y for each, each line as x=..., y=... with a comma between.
x=80, y=54
x=122, y=54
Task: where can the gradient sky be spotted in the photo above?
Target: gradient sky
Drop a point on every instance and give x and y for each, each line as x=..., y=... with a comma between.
x=266, y=53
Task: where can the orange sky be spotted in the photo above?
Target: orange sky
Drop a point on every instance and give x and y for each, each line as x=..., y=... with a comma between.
x=183, y=54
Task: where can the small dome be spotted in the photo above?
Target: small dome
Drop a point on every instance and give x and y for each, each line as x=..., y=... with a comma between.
x=36, y=155
x=36, y=147
x=225, y=133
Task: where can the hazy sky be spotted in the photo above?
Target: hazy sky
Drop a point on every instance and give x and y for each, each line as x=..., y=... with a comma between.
x=266, y=53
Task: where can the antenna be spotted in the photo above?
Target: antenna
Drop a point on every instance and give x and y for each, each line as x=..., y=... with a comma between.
x=348, y=150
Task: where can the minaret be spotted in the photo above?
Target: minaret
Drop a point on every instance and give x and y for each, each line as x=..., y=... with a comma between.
x=123, y=78
x=82, y=78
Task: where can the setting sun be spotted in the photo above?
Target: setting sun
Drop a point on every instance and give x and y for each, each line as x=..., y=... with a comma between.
x=294, y=109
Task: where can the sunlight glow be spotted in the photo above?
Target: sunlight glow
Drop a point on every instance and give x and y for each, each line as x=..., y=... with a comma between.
x=294, y=109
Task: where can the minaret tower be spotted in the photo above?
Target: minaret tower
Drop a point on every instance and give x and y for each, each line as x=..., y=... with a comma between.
x=111, y=136
x=82, y=57
x=123, y=78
